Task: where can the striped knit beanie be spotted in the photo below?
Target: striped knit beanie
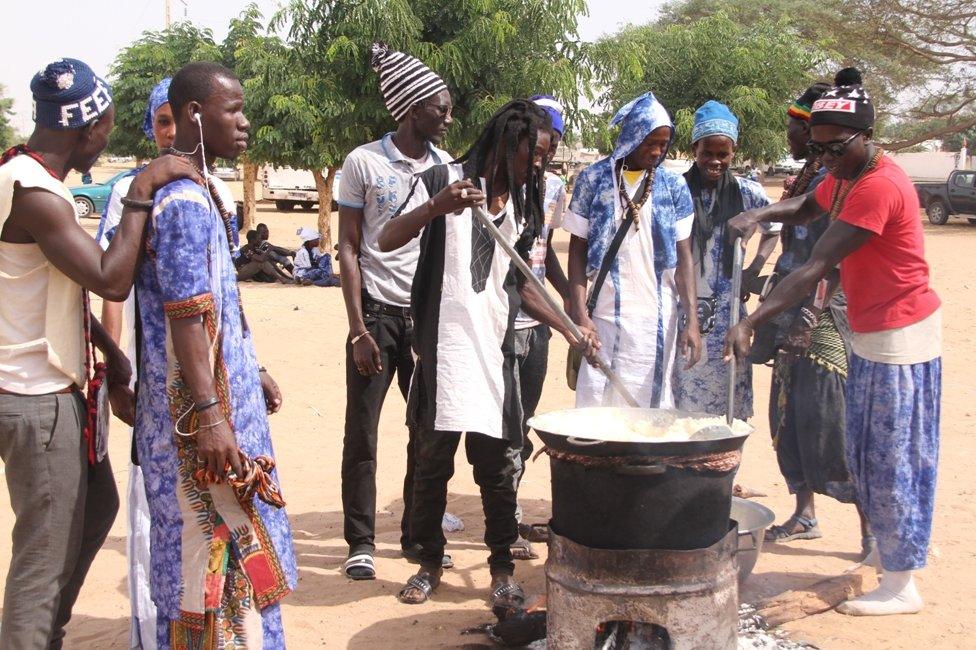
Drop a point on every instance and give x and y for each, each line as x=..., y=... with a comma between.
x=404, y=80
x=68, y=95
x=800, y=108
x=846, y=104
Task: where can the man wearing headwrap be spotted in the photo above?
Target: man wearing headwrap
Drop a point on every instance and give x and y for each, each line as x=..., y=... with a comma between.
x=312, y=266
x=376, y=180
x=717, y=196
x=894, y=378
x=60, y=482
x=635, y=313
x=809, y=345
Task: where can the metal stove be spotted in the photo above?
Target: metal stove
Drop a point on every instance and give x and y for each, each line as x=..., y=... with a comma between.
x=642, y=599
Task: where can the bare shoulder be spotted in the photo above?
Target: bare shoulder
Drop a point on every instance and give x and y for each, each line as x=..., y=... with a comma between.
x=35, y=209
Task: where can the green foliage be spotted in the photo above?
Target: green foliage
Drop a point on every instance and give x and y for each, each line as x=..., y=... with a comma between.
x=755, y=69
x=7, y=135
x=139, y=67
x=917, y=56
x=487, y=51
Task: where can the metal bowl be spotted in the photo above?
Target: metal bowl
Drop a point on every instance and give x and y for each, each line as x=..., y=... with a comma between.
x=753, y=520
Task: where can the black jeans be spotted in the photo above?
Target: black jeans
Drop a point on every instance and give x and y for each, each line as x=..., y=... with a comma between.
x=393, y=333
x=532, y=352
x=494, y=472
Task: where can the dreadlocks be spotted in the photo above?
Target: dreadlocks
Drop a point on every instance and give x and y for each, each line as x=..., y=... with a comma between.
x=517, y=120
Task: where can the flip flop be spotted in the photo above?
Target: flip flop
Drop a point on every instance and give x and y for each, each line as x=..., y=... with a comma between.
x=423, y=582
x=785, y=532
x=360, y=567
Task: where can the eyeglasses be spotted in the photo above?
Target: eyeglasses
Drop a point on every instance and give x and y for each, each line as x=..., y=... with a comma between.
x=835, y=149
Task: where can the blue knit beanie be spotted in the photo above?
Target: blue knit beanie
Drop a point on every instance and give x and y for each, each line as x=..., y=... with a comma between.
x=551, y=105
x=68, y=95
x=714, y=118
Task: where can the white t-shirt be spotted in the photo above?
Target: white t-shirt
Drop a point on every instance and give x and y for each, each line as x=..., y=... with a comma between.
x=376, y=178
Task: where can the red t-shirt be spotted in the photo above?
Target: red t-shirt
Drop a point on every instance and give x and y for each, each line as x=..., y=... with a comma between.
x=887, y=279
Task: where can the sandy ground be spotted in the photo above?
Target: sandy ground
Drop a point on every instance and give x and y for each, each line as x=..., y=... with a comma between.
x=300, y=336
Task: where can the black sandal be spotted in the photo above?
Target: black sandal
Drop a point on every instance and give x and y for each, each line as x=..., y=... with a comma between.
x=360, y=567
x=412, y=555
x=423, y=582
x=506, y=598
x=785, y=533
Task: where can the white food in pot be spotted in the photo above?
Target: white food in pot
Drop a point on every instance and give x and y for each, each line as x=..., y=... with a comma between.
x=637, y=425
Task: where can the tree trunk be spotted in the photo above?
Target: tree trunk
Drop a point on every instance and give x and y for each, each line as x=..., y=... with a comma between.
x=250, y=209
x=324, y=186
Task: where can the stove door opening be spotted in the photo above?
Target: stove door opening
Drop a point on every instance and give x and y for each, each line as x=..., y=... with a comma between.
x=631, y=635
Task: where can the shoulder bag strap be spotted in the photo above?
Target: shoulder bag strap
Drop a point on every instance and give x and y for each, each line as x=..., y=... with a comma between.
x=612, y=250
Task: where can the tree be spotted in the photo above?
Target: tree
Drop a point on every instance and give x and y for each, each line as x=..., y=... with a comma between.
x=916, y=55
x=754, y=69
x=487, y=51
x=139, y=67
x=7, y=134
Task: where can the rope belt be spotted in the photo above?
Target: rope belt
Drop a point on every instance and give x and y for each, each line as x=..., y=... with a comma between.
x=716, y=462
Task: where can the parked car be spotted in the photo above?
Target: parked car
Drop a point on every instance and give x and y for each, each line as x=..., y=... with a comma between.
x=90, y=199
x=955, y=196
x=289, y=187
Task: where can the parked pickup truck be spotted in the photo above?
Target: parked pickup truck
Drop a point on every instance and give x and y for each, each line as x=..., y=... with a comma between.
x=289, y=187
x=956, y=196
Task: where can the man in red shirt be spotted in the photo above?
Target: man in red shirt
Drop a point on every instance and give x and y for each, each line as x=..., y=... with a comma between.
x=894, y=383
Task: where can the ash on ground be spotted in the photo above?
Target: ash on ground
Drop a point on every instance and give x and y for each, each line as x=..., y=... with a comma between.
x=752, y=636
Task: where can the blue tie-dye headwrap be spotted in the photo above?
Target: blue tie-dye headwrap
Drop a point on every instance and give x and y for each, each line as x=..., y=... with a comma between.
x=637, y=119
x=158, y=97
x=596, y=197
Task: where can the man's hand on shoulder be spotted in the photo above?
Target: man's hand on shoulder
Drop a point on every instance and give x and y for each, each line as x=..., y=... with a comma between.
x=161, y=172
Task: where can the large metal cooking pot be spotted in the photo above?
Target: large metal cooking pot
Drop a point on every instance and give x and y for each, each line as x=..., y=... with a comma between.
x=636, y=503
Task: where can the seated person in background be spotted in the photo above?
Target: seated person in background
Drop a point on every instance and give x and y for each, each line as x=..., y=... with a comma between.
x=277, y=254
x=254, y=263
x=312, y=266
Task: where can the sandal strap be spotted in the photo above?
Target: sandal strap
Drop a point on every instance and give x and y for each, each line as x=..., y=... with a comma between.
x=421, y=584
x=806, y=522
x=363, y=559
x=510, y=588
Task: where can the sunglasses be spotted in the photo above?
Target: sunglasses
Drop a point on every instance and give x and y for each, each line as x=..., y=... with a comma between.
x=835, y=149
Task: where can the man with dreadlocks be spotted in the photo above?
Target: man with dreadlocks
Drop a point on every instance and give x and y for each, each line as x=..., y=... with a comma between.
x=809, y=346
x=222, y=555
x=894, y=383
x=631, y=221
x=465, y=297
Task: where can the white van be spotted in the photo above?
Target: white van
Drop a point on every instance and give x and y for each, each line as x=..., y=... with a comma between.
x=289, y=187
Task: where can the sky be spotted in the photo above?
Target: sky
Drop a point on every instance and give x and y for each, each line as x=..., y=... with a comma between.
x=94, y=31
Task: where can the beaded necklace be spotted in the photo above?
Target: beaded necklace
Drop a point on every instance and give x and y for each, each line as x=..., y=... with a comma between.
x=839, y=194
x=95, y=370
x=635, y=207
